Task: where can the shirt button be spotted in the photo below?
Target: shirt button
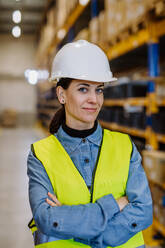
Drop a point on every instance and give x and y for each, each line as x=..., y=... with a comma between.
x=55, y=224
x=86, y=160
x=83, y=140
x=134, y=224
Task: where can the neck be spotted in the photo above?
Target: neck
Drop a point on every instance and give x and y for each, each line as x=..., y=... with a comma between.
x=79, y=125
x=80, y=133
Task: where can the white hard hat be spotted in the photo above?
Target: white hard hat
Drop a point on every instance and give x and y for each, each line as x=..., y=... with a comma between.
x=81, y=60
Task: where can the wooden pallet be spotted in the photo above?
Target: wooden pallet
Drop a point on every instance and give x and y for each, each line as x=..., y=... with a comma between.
x=136, y=26
x=156, y=11
x=159, y=8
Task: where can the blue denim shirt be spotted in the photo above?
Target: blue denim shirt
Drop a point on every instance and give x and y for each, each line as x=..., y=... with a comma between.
x=98, y=224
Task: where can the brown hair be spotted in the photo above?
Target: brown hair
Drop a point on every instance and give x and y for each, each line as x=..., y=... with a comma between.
x=59, y=116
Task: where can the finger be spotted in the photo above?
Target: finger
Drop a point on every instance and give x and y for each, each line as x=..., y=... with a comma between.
x=52, y=204
x=54, y=198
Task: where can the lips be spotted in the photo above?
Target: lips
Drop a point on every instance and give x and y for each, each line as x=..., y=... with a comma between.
x=90, y=109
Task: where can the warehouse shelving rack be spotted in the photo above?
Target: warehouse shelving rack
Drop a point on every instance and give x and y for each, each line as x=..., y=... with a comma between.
x=153, y=31
x=66, y=27
x=149, y=35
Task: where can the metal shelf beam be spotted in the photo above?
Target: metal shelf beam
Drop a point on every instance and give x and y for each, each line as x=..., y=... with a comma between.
x=136, y=101
x=132, y=131
x=152, y=32
x=159, y=226
x=129, y=44
x=67, y=25
x=128, y=130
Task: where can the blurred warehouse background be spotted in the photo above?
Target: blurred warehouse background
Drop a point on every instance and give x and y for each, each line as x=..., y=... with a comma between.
x=132, y=33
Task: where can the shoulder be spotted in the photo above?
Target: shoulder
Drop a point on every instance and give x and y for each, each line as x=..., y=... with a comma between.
x=46, y=140
x=108, y=132
x=119, y=139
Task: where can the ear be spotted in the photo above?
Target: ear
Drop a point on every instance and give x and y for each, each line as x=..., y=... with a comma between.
x=60, y=94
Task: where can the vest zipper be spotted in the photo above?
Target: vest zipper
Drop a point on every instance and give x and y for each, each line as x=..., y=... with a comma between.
x=94, y=171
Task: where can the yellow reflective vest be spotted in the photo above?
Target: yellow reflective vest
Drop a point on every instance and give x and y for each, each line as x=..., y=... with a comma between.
x=110, y=178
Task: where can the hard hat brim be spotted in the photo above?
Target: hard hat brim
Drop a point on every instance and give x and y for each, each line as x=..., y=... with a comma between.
x=113, y=79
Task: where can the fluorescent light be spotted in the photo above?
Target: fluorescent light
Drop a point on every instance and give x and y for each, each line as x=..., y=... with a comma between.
x=32, y=77
x=16, y=16
x=83, y=2
x=16, y=31
x=26, y=73
x=61, y=33
x=43, y=74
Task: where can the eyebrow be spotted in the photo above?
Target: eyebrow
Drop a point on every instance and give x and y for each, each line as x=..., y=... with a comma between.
x=84, y=84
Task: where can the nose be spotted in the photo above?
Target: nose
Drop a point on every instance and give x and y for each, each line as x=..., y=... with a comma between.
x=92, y=98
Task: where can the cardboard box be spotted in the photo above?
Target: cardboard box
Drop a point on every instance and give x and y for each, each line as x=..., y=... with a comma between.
x=61, y=12
x=9, y=118
x=64, y=9
x=159, y=213
x=94, y=30
x=83, y=34
x=102, y=39
x=158, y=196
x=154, y=165
x=135, y=9
x=51, y=20
x=115, y=14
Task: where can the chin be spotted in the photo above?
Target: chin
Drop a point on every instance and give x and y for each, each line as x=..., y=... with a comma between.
x=89, y=120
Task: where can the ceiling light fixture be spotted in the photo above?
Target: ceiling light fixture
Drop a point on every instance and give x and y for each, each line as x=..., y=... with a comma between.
x=34, y=76
x=16, y=31
x=61, y=33
x=83, y=2
x=16, y=16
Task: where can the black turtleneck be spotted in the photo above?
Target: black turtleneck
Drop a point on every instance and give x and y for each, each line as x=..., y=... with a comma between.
x=79, y=133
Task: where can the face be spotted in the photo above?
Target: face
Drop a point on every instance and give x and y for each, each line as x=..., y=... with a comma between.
x=83, y=101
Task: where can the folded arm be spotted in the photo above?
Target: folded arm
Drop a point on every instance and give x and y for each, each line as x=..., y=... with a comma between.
x=100, y=222
x=137, y=215
x=85, y=221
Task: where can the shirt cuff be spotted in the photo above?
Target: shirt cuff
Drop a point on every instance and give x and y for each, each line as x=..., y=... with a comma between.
x=108, y=205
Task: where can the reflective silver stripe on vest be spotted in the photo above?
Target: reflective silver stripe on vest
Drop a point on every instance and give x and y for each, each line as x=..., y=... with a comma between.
x=40, y=238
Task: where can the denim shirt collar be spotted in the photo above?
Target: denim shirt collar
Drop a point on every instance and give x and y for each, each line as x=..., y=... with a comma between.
x=73, y=142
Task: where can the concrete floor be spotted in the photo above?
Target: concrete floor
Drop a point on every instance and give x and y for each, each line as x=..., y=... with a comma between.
x=15, y=211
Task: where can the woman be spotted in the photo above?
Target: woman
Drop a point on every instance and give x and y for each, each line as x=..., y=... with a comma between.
x=87, y=187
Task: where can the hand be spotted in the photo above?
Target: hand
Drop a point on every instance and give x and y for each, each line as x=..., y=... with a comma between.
x=54, y=202
x=122, y=202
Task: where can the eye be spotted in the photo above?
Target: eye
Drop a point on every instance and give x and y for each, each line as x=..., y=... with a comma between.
x=83, y=89
x=99, y=90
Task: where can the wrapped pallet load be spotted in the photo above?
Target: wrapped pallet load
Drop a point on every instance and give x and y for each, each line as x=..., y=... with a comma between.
x=115, y=12
x=61, y=12
x=110, y=10
x=9, y=118
x=154, y=165
x=136, y=11
x=70, y=6
x=51, y=20
x=123, y=16
x=102, y=39
x=94, y=30
x=46, y=36
x=83, y=34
